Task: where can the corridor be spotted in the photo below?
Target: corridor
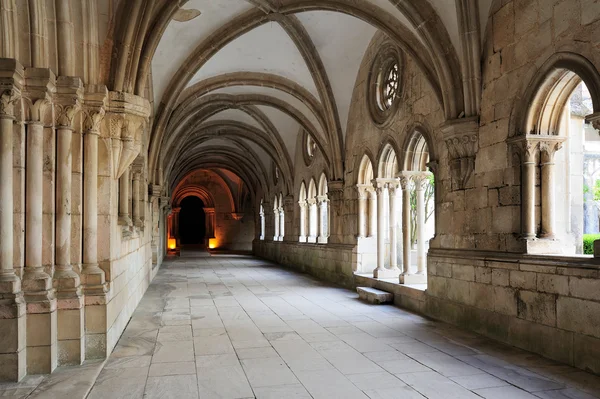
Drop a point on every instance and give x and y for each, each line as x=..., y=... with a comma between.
x=239, y=327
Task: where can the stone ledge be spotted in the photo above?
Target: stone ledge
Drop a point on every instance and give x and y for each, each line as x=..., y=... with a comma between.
x=374, y=296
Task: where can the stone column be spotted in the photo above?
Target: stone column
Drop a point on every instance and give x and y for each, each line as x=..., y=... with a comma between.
x=288, y=209
x=124, y=182
x=281, y=223
x=362, y=211
x=66, y=280
x=262, y=225
x=421, y=182
x=210, y=222
x=527, y=150
x=175, y=224
x=302, y=237
x=93, y=277
x=312, y=220
x=547, y=151
x=12, y=306
x=323, y=202
x=372, y=211
x=382, y=193
x=394, y=191
x=37, y=284
x=136, y=203
x=336, y=213
x=276, y=224
x=405, y=183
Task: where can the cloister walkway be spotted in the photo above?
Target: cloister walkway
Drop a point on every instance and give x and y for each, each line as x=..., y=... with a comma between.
x=239, y=327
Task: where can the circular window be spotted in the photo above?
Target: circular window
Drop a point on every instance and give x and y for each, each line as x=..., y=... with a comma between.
x=310, y=148
x=385, y=84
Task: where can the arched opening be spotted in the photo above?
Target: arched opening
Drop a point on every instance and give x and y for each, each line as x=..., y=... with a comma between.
x=558, y=150
x=192, y=221
x=312, y=212
x=323, y=204
x=367, y=217
x=418, y=184
x=303, y=213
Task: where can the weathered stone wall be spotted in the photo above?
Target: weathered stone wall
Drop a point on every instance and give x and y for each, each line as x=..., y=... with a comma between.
x=548, y=306
x=331, y=262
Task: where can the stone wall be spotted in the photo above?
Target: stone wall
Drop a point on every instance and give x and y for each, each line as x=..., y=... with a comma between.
x=331, y=262
x=548, y=306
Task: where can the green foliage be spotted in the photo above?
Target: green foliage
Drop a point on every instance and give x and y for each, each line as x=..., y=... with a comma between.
x=595, y=191
x=588, y=243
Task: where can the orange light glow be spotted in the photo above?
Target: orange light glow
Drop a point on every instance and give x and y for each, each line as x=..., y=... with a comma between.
x=172, y=243
x=212, y=243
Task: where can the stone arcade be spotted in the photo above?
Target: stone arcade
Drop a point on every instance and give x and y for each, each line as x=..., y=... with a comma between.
x=445, y=152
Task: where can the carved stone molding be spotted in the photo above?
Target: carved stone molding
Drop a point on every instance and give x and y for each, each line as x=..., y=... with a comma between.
x=529, y=146
x=11, y=85
x=462, y=139
x=40, y=85
x=594, y=119
x=128, y=118
x=94, y=108
x=67, y=101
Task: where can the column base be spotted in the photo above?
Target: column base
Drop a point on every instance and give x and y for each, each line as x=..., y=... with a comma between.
x=93, y=280
x=311, y=239
x=96, y=327
x=13, y=334
x=322, y=240
x=386, y=273
x=124, y=220
x=413, y=279
x=71, y=337
x=42, y=345
x=547, y=246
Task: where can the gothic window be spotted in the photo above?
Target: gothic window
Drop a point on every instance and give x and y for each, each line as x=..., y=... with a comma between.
x=303, y=213
x=385, y=84
x=261, y=216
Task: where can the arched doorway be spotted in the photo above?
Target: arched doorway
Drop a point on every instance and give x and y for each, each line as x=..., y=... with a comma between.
x=192, y=221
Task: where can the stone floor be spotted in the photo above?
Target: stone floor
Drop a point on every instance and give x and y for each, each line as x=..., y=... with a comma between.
x=239, y=327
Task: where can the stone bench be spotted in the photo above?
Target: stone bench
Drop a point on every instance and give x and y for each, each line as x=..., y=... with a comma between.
x=373, y=295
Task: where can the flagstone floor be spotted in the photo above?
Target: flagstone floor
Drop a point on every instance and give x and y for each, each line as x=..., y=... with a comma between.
x=239, y=327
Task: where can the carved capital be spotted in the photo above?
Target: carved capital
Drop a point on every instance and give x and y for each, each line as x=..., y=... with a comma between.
x=406, y=180
x=8, y=99
x=594, y=119
x=40, y=85
x=530, y=145
x=548, y=148
x=462, y=140
x=421, y=180
x=67, y=101
x=92, y=118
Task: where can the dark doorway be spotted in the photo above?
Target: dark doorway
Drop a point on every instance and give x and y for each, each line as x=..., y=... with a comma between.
x=192, y=221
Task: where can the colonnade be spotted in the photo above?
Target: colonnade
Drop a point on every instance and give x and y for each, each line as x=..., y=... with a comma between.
x=537, y=151
x=317, y=222
x=54, y=294
x=383, y=221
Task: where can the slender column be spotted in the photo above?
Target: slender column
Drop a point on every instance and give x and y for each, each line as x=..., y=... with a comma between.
x=276, y=224
x=37, y=284
x=421, y=183
x=372, y=211
x=528, y=190
x=262, y=225
x=394, y=190
x=382, y=193
x=137, y=221
x=281, y=223
x=175, y=224
x=362, y=211
x=405, y=182
x=124, y=182
x=66, y=280
x=302, y=237
x=93, y=276
x=312, y=220
x=12, y=307
x=323, y=222
x=547, y=151
x=9, y=282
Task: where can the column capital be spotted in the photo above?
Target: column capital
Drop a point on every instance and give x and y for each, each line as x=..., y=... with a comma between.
x=164, y=201
x=136, y=170
x=311, y=201
x=67, y=101
x=40, y=85
x=594, y=119
x=406, y=179
x=362, y=190
x=462, y=139
x=12, y=76
x=528, y=146
x=94, y=108
x=302, y=204
x=322, y=199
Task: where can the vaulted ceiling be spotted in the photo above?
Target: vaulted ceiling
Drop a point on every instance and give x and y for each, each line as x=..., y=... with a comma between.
x=248, y=76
